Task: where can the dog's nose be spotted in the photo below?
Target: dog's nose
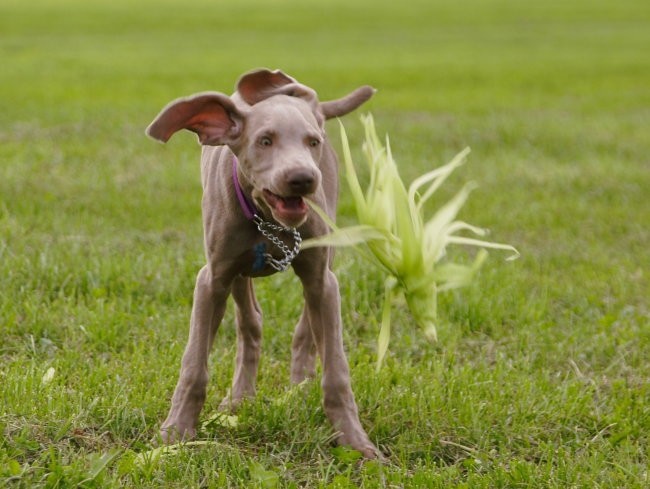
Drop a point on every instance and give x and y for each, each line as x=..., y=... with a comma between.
x=302, y=182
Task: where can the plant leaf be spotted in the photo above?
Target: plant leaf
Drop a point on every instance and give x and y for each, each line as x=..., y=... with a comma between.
x=100, y=462
x=434, y=234
x=437, y=178
x=457, y=226
x=321, y=213
x=351, y=177
x=346, y=455
x=48, y=376
x=384, y=333
x=220, y=419
x=266, y=478
x=452, y=275
x=348, y=236
x=153, y=456
x=484, y=244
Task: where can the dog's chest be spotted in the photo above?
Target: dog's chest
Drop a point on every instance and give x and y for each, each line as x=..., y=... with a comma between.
x=271, y=254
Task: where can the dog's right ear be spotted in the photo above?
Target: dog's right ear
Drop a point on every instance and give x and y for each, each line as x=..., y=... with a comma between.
x=211, y=115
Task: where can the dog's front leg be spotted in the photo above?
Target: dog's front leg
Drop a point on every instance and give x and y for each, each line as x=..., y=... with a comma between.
x=208, y=309
x=323, y=305
x=249, y=337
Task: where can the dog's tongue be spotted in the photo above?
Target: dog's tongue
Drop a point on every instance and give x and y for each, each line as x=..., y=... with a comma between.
x=286, y=207
x=292, y=203
x=290, y=207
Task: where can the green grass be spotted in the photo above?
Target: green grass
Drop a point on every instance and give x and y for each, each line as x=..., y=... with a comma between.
x=541, y=376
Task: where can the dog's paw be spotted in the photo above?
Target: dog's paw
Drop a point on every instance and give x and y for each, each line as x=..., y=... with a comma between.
x=230, y=404
x=363, y=445
x=174, y=433
x=371, y=452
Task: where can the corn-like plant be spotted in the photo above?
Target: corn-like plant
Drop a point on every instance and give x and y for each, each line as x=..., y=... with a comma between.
x=398, y=239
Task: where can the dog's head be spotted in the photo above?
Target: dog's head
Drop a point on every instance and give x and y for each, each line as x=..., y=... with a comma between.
x=274, y=125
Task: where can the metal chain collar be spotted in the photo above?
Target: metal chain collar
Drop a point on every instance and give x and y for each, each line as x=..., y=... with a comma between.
x=270, y=232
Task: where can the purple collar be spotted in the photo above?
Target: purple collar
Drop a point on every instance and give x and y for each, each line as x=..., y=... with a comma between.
x=250, y=211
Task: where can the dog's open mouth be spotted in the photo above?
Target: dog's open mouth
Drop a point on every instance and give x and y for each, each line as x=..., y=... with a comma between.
x=288, y=210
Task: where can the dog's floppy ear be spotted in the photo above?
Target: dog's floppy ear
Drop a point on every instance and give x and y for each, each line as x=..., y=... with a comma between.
x=344, y=105
x=211, y=115
x=261, y=84
x=258, y=85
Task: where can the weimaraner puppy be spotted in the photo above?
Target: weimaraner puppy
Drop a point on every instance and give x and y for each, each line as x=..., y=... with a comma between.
x=264, y=149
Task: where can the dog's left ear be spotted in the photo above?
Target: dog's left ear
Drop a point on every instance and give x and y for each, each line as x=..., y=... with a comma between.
x=213, y=116
x=261, y=84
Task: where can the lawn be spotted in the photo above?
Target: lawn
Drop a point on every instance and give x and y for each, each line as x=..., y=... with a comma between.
x=541, y=375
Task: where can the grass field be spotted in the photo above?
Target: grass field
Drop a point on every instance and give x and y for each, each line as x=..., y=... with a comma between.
x=541, y=376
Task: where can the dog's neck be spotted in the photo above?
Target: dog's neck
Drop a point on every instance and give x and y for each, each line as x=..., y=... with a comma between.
x=246, y=204
x=270, y=231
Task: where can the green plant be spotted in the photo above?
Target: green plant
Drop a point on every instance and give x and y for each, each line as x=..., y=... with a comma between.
x=399, y=240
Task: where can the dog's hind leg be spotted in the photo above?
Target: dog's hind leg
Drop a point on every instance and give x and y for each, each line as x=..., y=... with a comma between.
x=249, y=337
x=303, y=351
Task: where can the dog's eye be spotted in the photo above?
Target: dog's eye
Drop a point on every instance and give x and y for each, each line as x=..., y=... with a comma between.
x=314, y=142
x=265, y=141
